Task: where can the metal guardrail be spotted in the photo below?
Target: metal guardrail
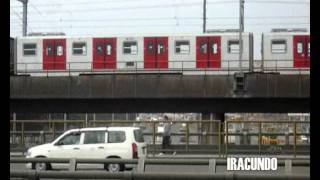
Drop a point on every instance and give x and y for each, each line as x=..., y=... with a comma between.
x=221, y=126
x=35, y=175
x=260, y=131
x=141, y=166
x=294, y=162
x=228, y=66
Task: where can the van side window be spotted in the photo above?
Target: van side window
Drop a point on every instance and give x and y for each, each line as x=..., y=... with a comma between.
x=116, y=136
x=70, y=139
x=94, y=137
x=138, y=135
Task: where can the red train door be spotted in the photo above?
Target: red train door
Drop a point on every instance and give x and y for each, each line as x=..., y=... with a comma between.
x=214, y=52
x=300, y=51
x=155, y=52
x=149, y=52
x=110, y=53
x=202, y=52
x=54, y=54
x=48, y=54
x=162, y=52
x=208, y=53
x=98, y=53
x=60, y=55
x=104, y=53
x=307, y=51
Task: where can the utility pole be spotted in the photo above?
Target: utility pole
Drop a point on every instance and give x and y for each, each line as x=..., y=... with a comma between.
x=25, y=5
x=241, y=29
x=204, y=15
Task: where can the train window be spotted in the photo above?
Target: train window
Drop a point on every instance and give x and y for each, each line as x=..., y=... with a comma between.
x=150, y=47
x=59, y=50
x=79, y=48
x=49, y=50
x=99, y=48
x=278, y=46
x=108, y=49
x=203, y=48
x=233, y=47
x=299, y=47
x=29, y=49
x=308, y=49
x=160, y=48
x=130, y=47
x=214, y=47
x=182, y=47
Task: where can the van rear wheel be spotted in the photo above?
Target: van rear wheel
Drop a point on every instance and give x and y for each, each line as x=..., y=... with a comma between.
x=115, y=167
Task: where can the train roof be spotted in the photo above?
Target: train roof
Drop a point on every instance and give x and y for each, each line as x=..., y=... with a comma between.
x=135, y=35
x=286, y=33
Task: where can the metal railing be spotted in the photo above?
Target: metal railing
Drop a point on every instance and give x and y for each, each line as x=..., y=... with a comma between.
x=259, y=134
x=222, y=136
x=140, y=171
x=139, y=66
x=35, y=175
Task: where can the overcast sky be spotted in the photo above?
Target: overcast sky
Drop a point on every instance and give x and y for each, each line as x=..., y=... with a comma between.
x=90, y=17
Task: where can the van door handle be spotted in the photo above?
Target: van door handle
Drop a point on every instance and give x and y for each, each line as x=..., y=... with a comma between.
x=100, y=147
x=76, y=148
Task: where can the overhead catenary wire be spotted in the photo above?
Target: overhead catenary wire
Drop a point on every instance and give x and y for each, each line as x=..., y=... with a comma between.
x=38, y=7
x=160, y=18
x=88, y=10
x=77, y=3
x=158, y=25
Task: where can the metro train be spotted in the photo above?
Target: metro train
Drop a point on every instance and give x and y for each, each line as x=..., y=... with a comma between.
x=210, y=53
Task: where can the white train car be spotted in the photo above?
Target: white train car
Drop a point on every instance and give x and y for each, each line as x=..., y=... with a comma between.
x=286, y=52
x=79, y=55
x=212, y=53
x=28, y=55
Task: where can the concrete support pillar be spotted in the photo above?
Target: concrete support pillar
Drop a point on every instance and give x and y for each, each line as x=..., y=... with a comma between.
x=94, y=119
x=65, y=121
x=213, y=127
x=14, y=128
x=86, y=120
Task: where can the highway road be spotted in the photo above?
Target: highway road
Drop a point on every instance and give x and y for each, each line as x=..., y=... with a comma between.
x=181, y=168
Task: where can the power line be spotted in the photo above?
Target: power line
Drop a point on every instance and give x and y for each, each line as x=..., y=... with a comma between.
x=160, y=6
x=82, y=3
x=163, y=18
x=161, y=25
x=124, y=1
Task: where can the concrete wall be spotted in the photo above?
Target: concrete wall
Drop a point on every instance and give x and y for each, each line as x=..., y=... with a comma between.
x=161, y=93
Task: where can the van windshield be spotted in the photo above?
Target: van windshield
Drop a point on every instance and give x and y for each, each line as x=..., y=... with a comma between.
x=138, y=135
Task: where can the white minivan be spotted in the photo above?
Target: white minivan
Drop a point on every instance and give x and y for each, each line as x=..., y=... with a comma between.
x=97, y=143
